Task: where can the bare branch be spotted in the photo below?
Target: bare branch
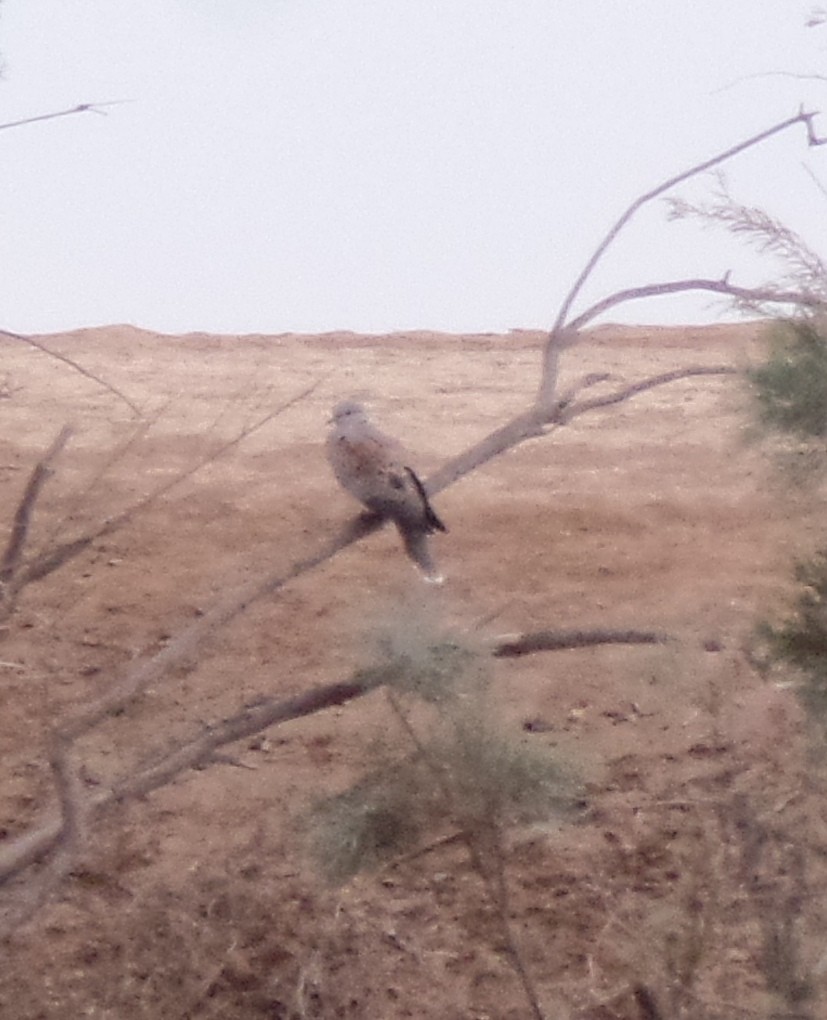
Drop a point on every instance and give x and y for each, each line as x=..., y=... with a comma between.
x=807, y=170
x=67, y=832
x=800, y=118
x=748, y=295
x=25, y=508
x=32, y=846
x=555, y=641
x=56, y=556
x=81, y=108
x=769, y=74
x=567, y=414
x=78, y=368
x=534, y=423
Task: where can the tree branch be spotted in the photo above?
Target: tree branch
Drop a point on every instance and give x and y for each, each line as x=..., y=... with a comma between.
x=757, y=295
x=35, y=844
x=800, y=118
x=54, y=557
x=555, y=641
x=81, y=108
x=568, y=413
x=563, y=333
x=23, y=515
x=73, y=364
x=535, y=423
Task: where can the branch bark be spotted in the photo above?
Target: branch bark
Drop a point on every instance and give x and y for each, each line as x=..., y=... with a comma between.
x=37, y=843
x=750, y=295
x=74, y=364
x=25, y=508
x=41, y=565
x=548, y=411
x=80, y=108
x=564, y=331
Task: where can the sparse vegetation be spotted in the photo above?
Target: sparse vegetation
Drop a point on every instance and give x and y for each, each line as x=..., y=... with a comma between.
x=637, y=924
x=465, y=776
x=790, y=387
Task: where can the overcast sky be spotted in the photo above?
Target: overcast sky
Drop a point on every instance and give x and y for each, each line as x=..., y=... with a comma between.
x=375, y=165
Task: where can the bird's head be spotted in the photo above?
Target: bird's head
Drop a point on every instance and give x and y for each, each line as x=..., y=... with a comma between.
x=347, y=410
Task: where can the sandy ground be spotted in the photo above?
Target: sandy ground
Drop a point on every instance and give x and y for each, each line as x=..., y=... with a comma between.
x=199, y=900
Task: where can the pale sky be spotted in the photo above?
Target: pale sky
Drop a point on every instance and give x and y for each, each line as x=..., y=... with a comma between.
x=374, y=165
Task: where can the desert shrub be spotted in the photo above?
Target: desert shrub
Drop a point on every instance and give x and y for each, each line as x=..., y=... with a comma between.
x=462, y=777
x=801, y=640
x=790, y=387
x=459, y=769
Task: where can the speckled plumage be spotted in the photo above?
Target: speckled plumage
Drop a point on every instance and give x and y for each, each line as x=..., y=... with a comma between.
x=374, y=468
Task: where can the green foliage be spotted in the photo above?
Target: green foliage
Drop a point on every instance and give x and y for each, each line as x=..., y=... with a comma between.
x=790, y=388
x=471, y=781
x=801, y=640
x=373, y=822
x=493, y=780
x=464, y=773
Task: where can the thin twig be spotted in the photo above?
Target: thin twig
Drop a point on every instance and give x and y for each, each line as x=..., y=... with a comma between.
x=19, y=853
x=25, y=508
x=752, y=295
x=56, y=556
x=807, y=170
x=769, y=74
x=567, y=414
x=800, y=118
x=73, y=364
x=80, y=108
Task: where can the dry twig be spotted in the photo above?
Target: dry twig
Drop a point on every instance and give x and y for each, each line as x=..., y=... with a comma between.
x=548, y=411
x=74, y=365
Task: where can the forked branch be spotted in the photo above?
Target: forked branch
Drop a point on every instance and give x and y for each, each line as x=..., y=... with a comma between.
x=32, y=846
x=802, y=117
x=564, y=331
x=549, y=411
x=40, y=565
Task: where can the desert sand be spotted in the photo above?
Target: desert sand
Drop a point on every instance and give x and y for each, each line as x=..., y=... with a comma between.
x=199, y=899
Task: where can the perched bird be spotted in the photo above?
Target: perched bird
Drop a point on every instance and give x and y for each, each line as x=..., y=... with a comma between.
x=374, y=468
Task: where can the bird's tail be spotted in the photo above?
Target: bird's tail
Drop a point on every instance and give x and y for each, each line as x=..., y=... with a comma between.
x=415, y=541
x=431, y=519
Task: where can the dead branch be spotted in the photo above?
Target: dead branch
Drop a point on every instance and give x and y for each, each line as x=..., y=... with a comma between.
x=55, y=556
x=68, y=831
x=567, y=414
x=74, y=365
x=537, y=422
x=190, y=644
x=800, y=118
x=25, y=508
x=795, y=76
x=555, y=641
x=35, y=844
x=80, y=108
x=746, y=295
x=561, y=332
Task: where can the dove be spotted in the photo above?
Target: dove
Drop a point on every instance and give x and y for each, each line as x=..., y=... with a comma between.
x=375, y=469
